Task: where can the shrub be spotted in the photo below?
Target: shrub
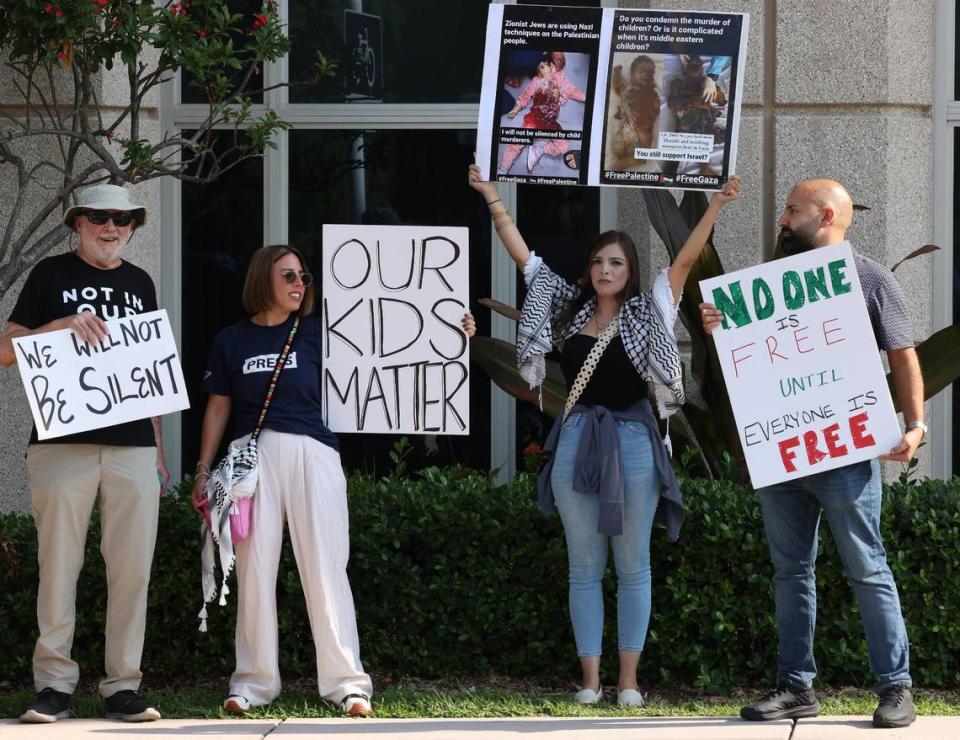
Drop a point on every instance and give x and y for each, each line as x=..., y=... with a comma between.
x=454, y=574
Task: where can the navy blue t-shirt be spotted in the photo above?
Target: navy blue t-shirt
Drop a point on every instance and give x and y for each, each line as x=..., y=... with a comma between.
x=241, y=364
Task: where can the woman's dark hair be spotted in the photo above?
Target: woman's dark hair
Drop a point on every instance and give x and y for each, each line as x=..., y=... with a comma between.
x=587, y=291
x=258, y=285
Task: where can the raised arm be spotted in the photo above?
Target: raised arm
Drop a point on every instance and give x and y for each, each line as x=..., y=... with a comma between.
x=502, y=221
x=698, y=237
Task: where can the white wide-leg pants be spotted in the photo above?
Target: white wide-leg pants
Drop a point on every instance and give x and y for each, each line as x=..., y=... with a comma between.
x=300, y=480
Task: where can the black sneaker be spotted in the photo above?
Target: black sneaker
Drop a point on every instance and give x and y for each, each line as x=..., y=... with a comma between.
x=49, y=706
x=130, y=707
x=895, y=708
x=784, y=702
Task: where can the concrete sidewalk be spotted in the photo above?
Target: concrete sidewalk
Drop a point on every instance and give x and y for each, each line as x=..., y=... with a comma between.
x=588, y=728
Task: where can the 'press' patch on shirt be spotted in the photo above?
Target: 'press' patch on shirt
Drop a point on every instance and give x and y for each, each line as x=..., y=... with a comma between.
x=266, y=363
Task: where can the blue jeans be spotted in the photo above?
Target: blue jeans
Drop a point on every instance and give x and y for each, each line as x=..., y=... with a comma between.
x=587, y=549
x=850, y=498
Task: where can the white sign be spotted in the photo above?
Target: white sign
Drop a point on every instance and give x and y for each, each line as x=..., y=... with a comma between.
x=801, y=365
x=611, y=96
x=73, y=386
x=395, y=357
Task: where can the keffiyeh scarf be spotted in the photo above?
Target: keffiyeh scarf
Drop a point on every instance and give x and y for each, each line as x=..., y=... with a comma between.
x=645, y=327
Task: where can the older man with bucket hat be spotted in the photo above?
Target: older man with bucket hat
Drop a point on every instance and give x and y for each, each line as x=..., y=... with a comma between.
x=80, y=290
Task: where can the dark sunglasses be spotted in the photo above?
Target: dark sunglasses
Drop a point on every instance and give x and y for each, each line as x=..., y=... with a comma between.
x=99, y=218
x=290, y=276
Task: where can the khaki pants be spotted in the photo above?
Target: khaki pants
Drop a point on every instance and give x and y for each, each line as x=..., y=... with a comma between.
x=64, y=480
x=301, y=481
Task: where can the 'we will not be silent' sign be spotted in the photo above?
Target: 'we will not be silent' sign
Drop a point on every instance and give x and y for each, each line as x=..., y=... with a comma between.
x=801, y=365
x=73, y=386
x=396, y=359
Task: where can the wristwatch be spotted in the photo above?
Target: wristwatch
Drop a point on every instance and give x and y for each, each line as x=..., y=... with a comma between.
x=917, y=425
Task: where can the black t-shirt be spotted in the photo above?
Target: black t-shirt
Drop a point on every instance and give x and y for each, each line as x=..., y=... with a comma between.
x=63, y=285
x=615, y=382
x=241, y=364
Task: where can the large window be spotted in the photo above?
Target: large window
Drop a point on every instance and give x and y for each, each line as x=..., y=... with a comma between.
x=336, y=166
x=386, y=140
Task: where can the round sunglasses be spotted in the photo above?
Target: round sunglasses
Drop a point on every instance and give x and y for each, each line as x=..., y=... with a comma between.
x=99, y=218
x=290, y=276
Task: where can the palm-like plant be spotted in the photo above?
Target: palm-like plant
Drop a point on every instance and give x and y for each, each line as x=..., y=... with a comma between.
x=710, y=429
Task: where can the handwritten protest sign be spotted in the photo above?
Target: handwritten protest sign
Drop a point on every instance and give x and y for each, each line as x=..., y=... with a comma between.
x=74, y=387
x=396, y=359
x=802, y=366
x=591, y=96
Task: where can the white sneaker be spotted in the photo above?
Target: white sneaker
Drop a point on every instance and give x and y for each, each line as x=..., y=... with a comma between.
x=356, y=705
x=236, y=704
x=588, y=696
x=629, y=698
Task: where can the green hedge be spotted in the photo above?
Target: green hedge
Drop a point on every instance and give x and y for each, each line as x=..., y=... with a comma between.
x=453, y=574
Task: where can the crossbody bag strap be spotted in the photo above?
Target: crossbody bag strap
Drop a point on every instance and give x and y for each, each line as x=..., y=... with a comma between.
x=281, y=361
x=590, y=364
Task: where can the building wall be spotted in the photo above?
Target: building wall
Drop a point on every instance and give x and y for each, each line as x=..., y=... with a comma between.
x=840, y=89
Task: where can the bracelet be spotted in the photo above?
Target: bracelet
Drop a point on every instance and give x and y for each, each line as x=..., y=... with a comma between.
x=917, y=425
x=498, y=200
x=201, y=474
x=201, y=467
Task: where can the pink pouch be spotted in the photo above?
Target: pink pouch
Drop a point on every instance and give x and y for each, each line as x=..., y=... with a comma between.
x=240, y=519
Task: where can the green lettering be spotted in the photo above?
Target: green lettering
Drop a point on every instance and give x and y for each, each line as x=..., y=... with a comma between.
x=816, y=283
x=792, y=290
x=764, y=309
x=732, y=306
x=837, y=277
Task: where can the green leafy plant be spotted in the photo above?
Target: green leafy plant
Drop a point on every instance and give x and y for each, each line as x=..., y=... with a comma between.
x=455, y=575
x=62, y=131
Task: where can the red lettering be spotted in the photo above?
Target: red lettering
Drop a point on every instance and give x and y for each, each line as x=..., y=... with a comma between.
x=828, y=332
x=858, y=425
x=797, y=338
x=830, y=438
x=735, y=360
x=772, y=351
x=813, y=453
x=787, y=454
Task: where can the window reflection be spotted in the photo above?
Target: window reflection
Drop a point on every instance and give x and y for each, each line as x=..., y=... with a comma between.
x=395, y=177
x=222, y=226
x=956, y=291
x=558, y=223
x=430, y=50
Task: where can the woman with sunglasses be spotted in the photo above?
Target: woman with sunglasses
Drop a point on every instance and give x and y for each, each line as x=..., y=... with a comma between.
x=300, y=479
x=609, y=476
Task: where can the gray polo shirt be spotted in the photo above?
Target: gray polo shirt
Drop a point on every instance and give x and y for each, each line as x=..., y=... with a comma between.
x=886, y=304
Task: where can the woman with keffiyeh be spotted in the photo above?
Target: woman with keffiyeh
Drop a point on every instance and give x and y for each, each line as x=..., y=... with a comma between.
x=610, y=476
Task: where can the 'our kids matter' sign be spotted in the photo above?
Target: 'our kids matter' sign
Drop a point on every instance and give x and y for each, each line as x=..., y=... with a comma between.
x=802, y=366
x=396, y=359
x=73, y=386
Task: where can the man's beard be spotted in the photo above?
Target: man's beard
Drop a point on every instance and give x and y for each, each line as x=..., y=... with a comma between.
x=792, y=242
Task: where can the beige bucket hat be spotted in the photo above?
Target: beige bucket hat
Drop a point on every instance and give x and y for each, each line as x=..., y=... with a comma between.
x=105, y=198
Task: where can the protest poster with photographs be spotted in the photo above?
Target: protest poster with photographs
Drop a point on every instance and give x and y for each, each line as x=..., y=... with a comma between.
x=590, y=96
x=395, y=357
x=74, y=386
x=536, y=101
x=801, y=365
